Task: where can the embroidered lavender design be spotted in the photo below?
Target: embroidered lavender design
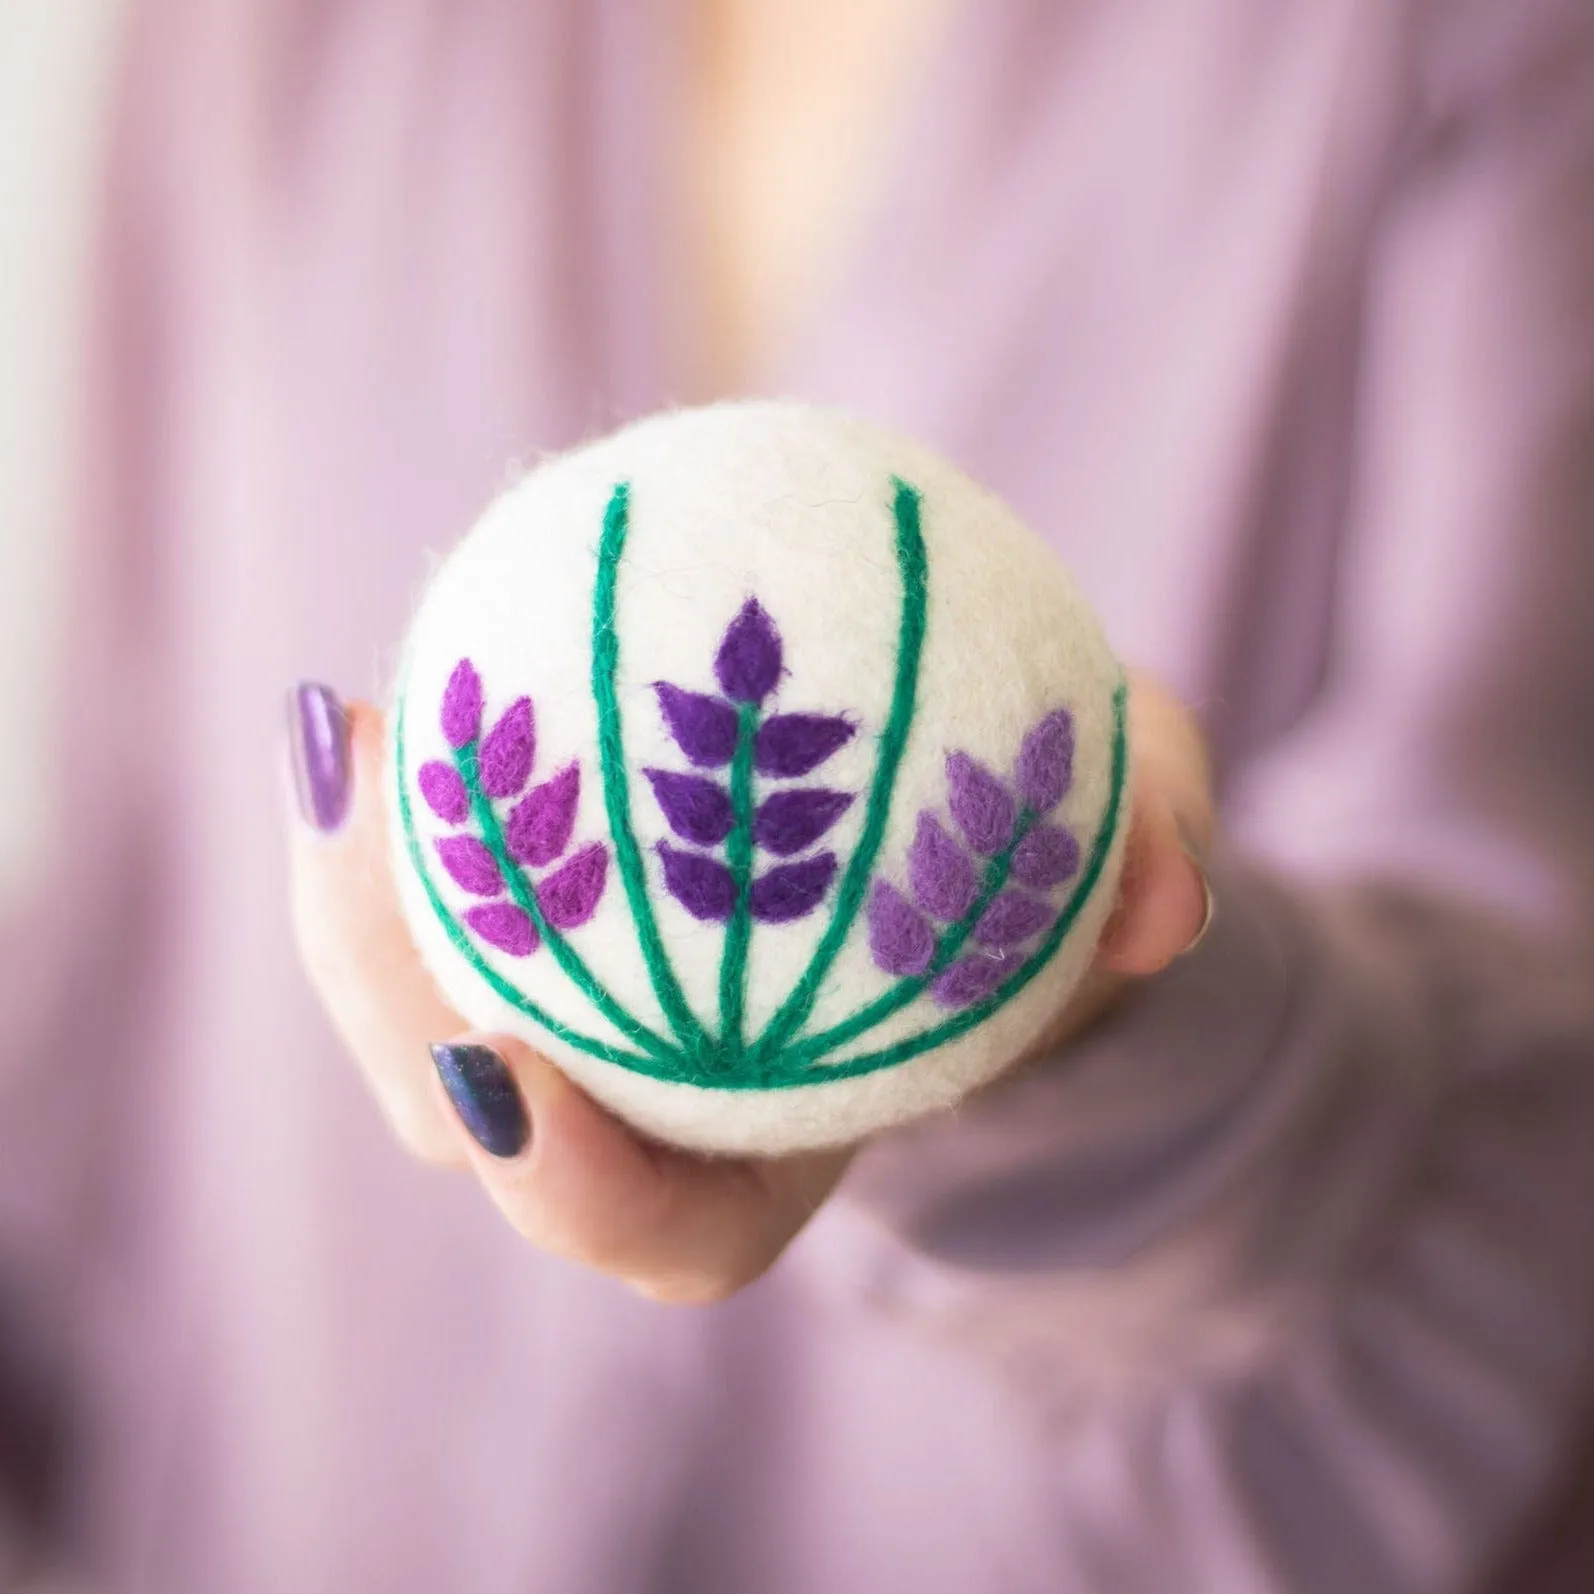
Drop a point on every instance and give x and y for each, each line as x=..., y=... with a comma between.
x=973, y=910
x=960, y=890
x=713, y=816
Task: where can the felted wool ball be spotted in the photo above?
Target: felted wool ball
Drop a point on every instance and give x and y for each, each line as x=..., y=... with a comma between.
x=763, y=771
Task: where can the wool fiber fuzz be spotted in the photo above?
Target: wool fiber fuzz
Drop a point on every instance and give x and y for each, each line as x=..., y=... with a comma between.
x=763, y=771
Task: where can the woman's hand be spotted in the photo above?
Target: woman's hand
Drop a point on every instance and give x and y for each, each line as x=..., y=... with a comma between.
x=568, y=1175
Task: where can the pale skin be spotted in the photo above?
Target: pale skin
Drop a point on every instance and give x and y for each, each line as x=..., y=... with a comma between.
x=805, y=87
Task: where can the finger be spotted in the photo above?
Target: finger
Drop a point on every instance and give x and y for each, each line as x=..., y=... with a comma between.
x=1164, y=901
x=350, y=930
x=575, y=1181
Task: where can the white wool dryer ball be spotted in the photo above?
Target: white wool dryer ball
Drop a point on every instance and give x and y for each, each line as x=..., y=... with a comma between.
x=761, y=770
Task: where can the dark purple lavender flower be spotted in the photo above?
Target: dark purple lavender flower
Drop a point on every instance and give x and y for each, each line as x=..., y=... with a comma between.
x=793, y=889
x=696, y=808
x=541, y=823
x=792, y=820
x=980, y=803
x=444, y=791
x=471, y=865
x=899, y=935
x=702, y=885
x=747, y=665
x=1046, y=762
x=503, y=925
x=462, y=705
x=788, y=745
x=969, y=980
x=1047, y=856
x=704, y=727
x=1012, y=918
x=508, y=750
x=569, y=896
x=939, y=871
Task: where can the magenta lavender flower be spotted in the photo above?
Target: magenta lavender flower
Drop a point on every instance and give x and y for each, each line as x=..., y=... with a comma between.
x=461, y=717
x=471, y=865
x=503, y=925
x=542, y=822
x=504, y=759
x=487, y=853
x=569, y=896
x=444, y=791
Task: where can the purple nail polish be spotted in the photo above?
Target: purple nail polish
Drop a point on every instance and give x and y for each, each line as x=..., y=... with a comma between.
x=484, y=1094
x=318, y=743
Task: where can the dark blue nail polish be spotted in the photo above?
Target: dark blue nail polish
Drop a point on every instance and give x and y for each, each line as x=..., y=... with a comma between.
x=318, y=742
x=484, y=1095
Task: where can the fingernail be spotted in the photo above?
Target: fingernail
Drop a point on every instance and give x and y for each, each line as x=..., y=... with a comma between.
x=318, y=743
x=1209, y=909
x=483, y=1092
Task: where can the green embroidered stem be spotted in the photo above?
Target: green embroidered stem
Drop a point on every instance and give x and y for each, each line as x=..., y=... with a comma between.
x=947, y=948
x=466, y=948
x=926, y=1040
x=568, y=959
x=616, y=788
x=911, y=562
x=739, y=858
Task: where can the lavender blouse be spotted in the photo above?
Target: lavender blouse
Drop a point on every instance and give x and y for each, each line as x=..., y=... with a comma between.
x=1278, y=321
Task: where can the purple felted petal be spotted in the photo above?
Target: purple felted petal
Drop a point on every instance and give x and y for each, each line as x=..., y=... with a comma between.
x=1012, y=918
x=444, y=791
x=793, y=889
x=503, y=925
x=792, y=820
x=570, y=895
x=969, y=980
x=788, y=745
x=702, y=885
x=747, y=665
x=696, y=808
x=507, y=751
x=704, y=727
x=1047, y=856
x=1046, y=762
x=541, y=823
x=980, y=803
x=899, y=935
x=462, y=705
x=940, y=872
x=471, y=865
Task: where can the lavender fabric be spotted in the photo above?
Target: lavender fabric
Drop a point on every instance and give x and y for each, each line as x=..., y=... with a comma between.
x=1275, y=320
